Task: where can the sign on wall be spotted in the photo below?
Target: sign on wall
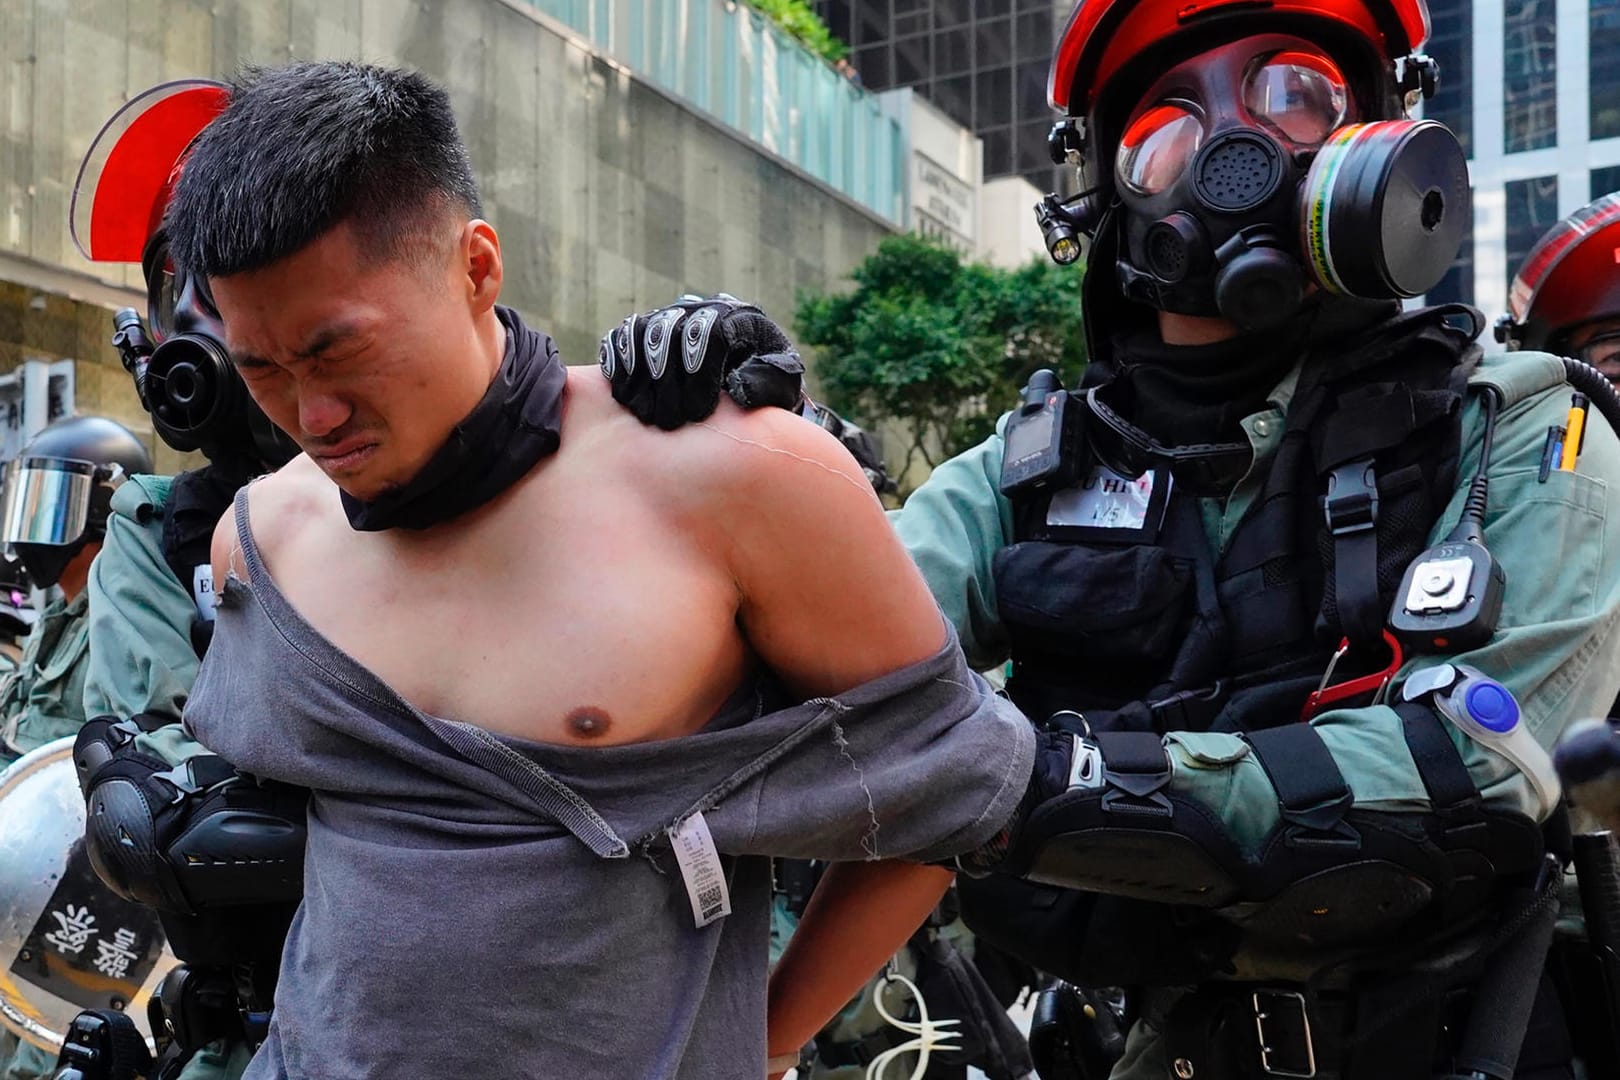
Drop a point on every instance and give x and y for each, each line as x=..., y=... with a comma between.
x=942, y=204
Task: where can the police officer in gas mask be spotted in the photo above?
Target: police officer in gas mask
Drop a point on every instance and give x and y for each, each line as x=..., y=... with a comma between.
x=1286, y=582
x=151, y=616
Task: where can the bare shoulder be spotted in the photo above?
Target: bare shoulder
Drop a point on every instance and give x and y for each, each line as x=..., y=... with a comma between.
x=747, y=456
x=278, y=505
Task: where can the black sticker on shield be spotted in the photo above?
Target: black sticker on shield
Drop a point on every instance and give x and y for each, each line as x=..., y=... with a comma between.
x=90, y=946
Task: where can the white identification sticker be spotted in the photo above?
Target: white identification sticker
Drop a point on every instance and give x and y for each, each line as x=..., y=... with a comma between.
x=1106, y=500
x=700, y=866
x=202, y=591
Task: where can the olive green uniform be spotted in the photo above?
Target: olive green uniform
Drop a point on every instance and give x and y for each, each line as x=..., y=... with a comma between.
x=43, y=699
x=142, y=659
x=1555, y=649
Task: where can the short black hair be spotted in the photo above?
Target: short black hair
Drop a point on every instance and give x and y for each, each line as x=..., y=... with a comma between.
x=303, y=148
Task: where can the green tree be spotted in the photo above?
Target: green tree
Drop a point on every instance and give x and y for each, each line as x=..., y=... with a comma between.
x=940, y=345
x=799, y=21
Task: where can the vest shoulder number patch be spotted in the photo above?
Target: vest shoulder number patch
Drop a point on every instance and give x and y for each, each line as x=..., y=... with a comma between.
x=1107, y=500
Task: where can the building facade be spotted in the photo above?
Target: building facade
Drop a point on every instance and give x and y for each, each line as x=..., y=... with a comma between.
x=1532, y=89
x=615, y=188
x=981, y=62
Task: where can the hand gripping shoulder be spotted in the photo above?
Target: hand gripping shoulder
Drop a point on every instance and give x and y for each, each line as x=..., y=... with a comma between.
x=187, y=837
x=670, y=366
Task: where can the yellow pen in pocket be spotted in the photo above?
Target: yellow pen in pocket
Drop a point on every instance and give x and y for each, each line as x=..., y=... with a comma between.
x=1575, y=427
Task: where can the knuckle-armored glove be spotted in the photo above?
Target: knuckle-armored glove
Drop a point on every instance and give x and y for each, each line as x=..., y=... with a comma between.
x=669, y=366
x=184, y=838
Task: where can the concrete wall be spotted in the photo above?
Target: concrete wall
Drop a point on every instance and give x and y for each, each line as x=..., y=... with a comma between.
x=1008, y=235
x=609, y=196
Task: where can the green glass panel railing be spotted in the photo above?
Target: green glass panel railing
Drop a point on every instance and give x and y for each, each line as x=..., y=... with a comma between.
x=727, y=60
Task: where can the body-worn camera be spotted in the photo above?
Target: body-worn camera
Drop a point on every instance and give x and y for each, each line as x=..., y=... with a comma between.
x=1042, y=436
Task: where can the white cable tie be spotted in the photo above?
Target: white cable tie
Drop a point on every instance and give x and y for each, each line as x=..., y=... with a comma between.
x=931, y=1035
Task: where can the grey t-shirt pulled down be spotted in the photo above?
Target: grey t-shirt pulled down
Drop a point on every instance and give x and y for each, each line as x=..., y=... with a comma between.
x=480, y=905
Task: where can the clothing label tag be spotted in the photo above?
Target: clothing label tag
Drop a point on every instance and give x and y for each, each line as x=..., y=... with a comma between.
x=1106, y=500
x=202, y=591
x=700, y=866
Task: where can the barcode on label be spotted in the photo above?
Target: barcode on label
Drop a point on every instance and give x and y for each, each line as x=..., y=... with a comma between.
x=701, y=869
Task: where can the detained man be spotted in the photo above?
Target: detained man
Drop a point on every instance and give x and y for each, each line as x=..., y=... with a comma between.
x=555, y=709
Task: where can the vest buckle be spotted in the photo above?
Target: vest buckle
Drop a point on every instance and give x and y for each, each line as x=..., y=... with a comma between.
x=1351, y=505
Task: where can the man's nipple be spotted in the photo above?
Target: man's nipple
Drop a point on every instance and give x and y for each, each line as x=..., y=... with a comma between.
x=589, y=722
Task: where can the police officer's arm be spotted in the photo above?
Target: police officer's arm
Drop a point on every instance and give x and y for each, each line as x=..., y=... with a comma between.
x=141, y=656
x=1556, y=650
x=162, y=811
x=953, y=525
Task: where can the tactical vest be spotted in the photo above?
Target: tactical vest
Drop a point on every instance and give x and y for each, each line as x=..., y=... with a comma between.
x=1163, y=634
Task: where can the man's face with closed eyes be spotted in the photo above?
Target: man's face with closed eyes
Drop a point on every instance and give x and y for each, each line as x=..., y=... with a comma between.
x=368, y=362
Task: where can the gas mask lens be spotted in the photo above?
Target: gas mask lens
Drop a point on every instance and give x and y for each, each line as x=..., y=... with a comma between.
x=1157, y=147
x=162, y=289
x=1300, y=96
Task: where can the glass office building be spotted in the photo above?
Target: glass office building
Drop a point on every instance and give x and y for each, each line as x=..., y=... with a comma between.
x=1533, y=93
x=981, y=62
x=1531, y=87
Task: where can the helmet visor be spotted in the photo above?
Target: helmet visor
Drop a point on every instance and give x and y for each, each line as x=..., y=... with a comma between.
x=124, y=182
x=46, y=500
x=1300, y=96
x=1158, y=146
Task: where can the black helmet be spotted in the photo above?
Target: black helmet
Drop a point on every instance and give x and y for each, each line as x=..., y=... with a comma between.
x=59, y=487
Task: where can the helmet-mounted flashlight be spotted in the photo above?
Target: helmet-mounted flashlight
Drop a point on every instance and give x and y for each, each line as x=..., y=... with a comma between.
x=1059, y=230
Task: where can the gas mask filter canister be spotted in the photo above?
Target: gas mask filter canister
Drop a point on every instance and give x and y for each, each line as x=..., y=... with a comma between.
x=1384, y=208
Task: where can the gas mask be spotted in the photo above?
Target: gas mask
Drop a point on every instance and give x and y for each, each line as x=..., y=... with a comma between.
x=1240, y=185
x=186, y=381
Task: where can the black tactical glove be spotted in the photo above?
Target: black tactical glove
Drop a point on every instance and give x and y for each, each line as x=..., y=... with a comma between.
x=669, y=366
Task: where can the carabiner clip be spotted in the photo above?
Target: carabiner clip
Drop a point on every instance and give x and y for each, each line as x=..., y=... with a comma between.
x=1377, y=683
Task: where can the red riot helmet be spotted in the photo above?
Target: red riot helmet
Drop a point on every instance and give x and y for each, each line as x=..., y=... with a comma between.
x=1570, y=278
x=1108, y=39
x=128, y=174
x=183, y=374
x=1376, y=176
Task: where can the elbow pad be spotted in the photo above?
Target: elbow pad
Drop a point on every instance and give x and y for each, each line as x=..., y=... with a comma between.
x=1328, y=871
x=188, y=837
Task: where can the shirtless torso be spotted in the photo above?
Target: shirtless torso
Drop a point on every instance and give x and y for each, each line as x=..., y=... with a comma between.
x=621, y=590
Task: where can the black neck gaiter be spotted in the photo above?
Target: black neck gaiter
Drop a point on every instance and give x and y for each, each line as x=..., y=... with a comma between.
x=517, y=423
x=1187, y=394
